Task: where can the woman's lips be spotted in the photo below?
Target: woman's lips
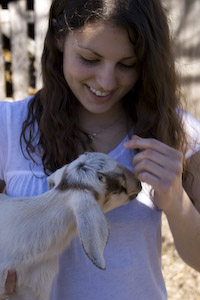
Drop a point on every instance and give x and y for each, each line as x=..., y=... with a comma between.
x=98, y=95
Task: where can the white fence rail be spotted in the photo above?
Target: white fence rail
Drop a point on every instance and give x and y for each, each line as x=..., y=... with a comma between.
x=14, y=25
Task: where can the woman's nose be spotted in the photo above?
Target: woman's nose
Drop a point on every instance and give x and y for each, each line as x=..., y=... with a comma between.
x=106, y=78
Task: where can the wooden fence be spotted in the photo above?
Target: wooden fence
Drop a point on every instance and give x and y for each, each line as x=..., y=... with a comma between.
x=14, y=23
x=184, y=17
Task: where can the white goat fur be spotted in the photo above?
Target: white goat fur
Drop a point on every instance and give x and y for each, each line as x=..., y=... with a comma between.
x=35, y=230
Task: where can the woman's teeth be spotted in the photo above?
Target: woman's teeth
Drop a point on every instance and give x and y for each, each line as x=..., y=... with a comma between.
x=98, y=93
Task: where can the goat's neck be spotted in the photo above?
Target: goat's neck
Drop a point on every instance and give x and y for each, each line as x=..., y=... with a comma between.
x=47, y=219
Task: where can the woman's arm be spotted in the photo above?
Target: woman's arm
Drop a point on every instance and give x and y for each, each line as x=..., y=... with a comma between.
x=161, y=166
x=185, y=225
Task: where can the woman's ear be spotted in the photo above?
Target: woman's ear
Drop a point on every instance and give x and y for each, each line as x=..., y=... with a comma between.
x=60, y=44
x=59, y=41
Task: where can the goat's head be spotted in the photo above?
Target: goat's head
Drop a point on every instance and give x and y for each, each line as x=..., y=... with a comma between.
x=97, y=181
x=113, y=185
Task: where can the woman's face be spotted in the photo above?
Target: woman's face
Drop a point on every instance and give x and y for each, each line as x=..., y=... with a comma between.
x=99, y=65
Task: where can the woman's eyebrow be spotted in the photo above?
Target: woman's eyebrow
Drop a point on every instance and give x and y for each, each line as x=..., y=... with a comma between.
x=91, y=50
x=97, y=54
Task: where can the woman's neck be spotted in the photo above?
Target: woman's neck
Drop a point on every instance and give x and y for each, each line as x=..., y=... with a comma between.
x=104, y=131
x=96, y=122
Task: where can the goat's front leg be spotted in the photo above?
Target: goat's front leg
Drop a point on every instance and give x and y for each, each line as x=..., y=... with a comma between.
x=35, y=281
x=25, y=294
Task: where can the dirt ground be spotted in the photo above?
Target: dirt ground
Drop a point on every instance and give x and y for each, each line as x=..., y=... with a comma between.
x=183, y=283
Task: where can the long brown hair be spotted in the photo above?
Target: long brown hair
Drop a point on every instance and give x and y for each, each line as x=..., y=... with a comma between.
x=153, y=102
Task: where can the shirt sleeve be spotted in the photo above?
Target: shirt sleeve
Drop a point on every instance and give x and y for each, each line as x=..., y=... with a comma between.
x=192, y=129
x=3, y=138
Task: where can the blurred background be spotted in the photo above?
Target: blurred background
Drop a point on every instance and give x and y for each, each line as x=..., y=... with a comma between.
x=23, y=25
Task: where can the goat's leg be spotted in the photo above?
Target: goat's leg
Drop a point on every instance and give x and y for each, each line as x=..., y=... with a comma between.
x=36, y=280
x=25, y=294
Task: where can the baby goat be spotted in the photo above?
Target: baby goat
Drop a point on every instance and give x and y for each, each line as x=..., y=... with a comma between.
x=35, y=230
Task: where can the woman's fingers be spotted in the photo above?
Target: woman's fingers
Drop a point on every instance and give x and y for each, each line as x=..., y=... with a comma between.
x=147, y=143
x=11, y=282
x=145, y=165
x=157, y=152
x=160, y=166
x=154, y=157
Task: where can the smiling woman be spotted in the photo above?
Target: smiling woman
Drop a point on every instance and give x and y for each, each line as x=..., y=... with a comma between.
x=109, y=85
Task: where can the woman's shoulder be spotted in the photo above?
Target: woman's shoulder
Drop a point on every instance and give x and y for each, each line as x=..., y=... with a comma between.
x=12, y=103
x=18, y=108
x=12, y=114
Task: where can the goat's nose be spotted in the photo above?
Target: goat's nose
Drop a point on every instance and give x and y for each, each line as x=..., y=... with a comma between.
x=139, y=186
x=134, y=194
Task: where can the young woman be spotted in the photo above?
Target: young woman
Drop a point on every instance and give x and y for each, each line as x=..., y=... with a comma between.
x=109, y=85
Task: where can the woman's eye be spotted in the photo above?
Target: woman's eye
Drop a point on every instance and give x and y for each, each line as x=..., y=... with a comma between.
x=127, y=66
x=88, y=61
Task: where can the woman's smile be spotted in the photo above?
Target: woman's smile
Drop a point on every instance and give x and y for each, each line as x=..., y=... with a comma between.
x=98, y=96
x=98, y=93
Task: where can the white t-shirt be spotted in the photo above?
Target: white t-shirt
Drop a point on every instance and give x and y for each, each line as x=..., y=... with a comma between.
x=133, y=252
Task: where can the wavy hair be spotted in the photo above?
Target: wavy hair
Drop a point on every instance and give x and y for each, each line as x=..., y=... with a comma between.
x=153, y=102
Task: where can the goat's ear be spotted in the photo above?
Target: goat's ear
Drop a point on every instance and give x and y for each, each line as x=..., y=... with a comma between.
x=51, y=183
x=93, y=229
x=55, y=178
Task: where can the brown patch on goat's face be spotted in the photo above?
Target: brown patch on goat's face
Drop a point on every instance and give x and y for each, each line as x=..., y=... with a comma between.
x=116, y=193
x=66, y=184
x=115, y=184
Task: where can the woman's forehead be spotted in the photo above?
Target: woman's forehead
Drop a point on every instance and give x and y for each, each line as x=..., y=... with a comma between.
x=102, y=37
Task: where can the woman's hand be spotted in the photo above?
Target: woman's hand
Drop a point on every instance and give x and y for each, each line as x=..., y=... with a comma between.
x=160, y=166
x=10, y=283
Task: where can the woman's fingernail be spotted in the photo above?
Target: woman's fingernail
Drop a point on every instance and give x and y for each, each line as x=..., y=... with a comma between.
x=136, y=137
x=126, y=144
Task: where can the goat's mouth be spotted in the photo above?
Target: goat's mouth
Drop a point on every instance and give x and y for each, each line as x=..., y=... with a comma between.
x=134, y=194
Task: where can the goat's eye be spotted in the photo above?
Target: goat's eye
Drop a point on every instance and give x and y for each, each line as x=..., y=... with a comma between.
x=51, y=184
x=101, y=177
